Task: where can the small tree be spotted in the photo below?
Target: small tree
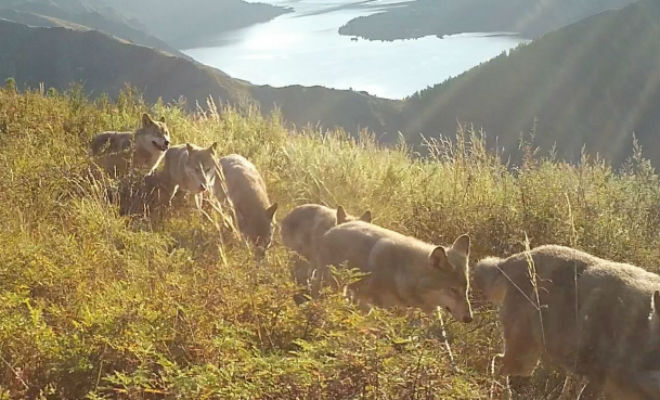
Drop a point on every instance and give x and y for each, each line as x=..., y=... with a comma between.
x=10, y=84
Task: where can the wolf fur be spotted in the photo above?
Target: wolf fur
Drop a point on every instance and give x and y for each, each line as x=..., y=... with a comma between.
x=245, y=189
x=591, y=318
x=403, y=271
x=302, y=228
x=188, y=168
x=143, y=148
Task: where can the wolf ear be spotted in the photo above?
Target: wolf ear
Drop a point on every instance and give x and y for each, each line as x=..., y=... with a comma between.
x=189, y=147
x=270, y=211
x=366, y=217
x=146, y=120
x=462, y=244
x=438, y=258
x=212, y=147
x=341, y=215
x=656, y=302
x=162, y=119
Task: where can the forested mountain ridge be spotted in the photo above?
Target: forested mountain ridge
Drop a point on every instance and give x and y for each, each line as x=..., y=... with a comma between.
x=593, y=83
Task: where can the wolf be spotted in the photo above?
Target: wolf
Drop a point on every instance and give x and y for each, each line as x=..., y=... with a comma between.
x=188, y=168
x=148, y=145
x=585, y=314
x=244, y=188
x=644, y=383
x=403, y=271
x=302, y=228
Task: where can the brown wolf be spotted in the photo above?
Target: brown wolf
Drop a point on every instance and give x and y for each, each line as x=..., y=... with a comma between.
x=583, y=313
x=302, y=228
x=403, y=271
x=146, y=146
x=246, y=191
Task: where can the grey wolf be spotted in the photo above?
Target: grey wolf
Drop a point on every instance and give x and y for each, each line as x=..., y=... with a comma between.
x=403, y=271
x=302, y=228
x=245, y=189
x=142, y=148
x=188, y=168
x=589, y=315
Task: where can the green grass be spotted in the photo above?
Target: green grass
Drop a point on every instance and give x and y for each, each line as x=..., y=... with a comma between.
x=98, y=305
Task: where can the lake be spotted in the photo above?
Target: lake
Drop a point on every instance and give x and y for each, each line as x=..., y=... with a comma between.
x=304, y=47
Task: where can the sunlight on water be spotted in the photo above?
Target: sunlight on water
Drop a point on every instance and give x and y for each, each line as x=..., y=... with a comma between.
x=305, y=48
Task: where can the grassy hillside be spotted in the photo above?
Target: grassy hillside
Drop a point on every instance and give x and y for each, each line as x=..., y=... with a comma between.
x=530, y=18
x=595, y=83
x=174, y=306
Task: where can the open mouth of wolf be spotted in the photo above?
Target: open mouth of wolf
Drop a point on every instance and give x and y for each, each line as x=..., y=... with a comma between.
x=160, y=147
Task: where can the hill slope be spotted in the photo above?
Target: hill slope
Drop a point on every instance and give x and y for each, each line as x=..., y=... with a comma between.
x=595, y=83
x=190, y=23
x=174, y=306
x=530, y=18
x=58, y=56
x=78, y=15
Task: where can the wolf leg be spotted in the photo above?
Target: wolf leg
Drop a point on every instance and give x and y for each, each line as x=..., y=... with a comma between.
x=522, y=345
x=173, y=191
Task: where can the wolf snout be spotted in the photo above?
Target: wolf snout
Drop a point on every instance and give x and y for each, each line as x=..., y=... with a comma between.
x=161, y=147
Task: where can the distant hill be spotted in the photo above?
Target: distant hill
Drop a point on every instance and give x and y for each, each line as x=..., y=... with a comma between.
x=167, y=25
x=595, y=83
x=59, y=56
x=192, y=23
x=530, y=18
x=78, y=15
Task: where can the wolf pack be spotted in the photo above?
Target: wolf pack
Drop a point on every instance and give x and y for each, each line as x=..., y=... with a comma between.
x=594, y=318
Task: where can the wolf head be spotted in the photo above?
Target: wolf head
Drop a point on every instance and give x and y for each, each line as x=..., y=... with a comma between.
x=258, y=228
x=447, y=284
x=154, y=136
x=200, y=168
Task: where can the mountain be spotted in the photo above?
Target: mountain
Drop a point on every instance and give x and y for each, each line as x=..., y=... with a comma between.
x=191, y=23
x=59, y=56
x=593, y=83
x=166, y=25
x=530, y=18
x=78, y=15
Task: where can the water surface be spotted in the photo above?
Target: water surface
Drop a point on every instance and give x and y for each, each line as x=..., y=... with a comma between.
x=304, y=47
